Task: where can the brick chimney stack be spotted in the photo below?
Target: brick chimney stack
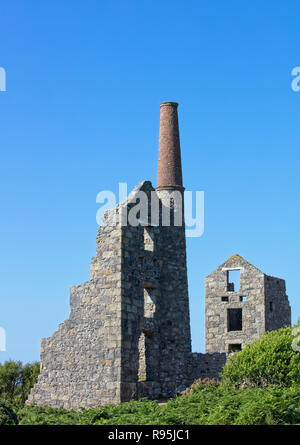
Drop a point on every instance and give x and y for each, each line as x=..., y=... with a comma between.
x=169, y=158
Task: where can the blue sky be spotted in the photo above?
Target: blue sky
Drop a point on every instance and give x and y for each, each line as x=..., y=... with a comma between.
x=81, y=114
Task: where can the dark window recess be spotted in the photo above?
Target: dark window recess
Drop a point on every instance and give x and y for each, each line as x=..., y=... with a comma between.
x=224, y=299
x=233, y=280
x=242, y=298
x=234, y=319
x=234, y=348
x=147, y=333
x=230, y=287
x=271, y=306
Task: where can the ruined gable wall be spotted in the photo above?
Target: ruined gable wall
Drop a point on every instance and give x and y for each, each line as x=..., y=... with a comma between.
x=218, y=338
x=80, y=362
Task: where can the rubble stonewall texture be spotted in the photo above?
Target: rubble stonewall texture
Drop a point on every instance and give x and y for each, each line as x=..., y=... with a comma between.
x=128, y=334
x=236, y=317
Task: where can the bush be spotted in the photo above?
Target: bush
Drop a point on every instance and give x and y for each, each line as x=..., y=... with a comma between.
x=206, y=382
x=217, y=405
x=205, y=405
x=270, y=360
x=138, y=412
x=16, y=380
x=7, y=415
x=10, y=380
x=45, y=415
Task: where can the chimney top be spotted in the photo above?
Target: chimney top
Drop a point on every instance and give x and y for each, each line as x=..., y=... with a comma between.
x=169, y=157
x=171, y=104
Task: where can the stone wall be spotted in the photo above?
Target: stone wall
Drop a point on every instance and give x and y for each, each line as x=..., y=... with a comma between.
x=128, y=334
x=155, y=311
x=201, y=366
x=234, y=317
x=81, y=362
x=277, y=307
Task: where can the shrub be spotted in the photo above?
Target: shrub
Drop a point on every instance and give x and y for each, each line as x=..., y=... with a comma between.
x=205, y=405
x=16, y=380
x=10, y=380
x=270, y=360
x=7, y=415
x=136, y=412
x=45, y=415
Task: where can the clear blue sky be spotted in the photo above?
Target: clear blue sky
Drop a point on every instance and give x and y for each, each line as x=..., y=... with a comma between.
x=81, y=114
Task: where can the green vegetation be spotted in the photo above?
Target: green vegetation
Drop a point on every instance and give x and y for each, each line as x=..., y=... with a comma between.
x=260, y=385
x=205, y=405
x=268, y=361
x=7, y=415
x=16, y=380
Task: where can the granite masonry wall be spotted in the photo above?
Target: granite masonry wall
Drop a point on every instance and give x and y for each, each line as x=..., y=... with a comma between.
x=236, y=317
x=201, y=366
x=128, y=334
x=155, y=311
x=81, y=362
x=277, y=307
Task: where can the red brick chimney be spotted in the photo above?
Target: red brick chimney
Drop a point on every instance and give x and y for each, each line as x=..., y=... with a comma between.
x=169, y=158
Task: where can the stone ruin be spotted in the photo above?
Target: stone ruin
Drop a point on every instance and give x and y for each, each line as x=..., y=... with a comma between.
x=128, y=334
x=238, y=313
